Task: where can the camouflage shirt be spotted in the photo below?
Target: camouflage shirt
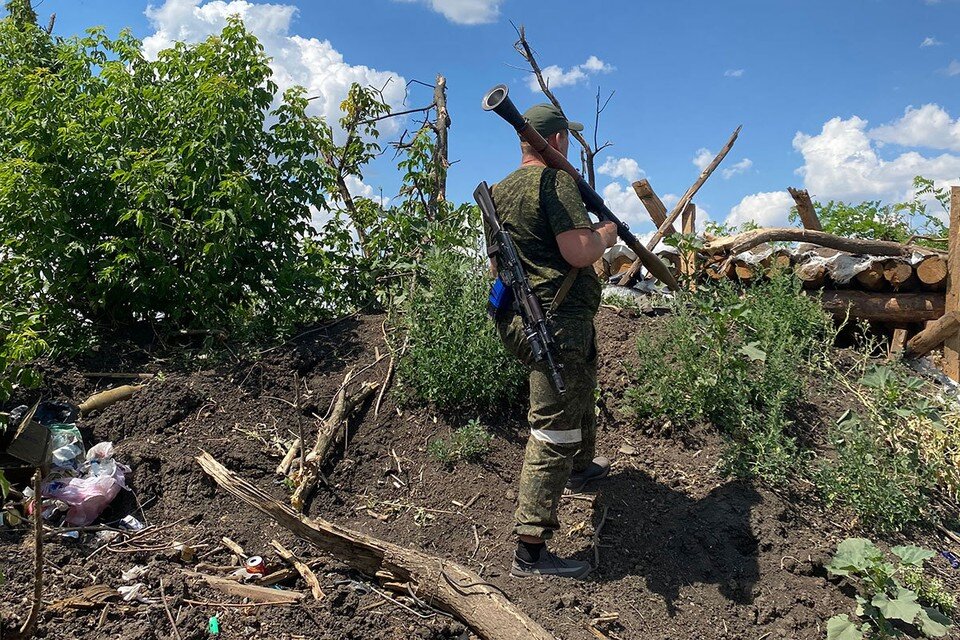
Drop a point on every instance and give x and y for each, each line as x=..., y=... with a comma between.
x=536, y=204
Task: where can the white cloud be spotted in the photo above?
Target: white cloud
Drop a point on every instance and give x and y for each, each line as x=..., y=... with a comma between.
x=626, y=168
x=296, y=60
x=953, y=69
x=464, y=11
x=556, y=76
x=623, y=201
x=703, y=158
x=740, y=167
x=734, y=73
x=769, y=209
x=930, y=41
x=841, y=162
x=929, y=126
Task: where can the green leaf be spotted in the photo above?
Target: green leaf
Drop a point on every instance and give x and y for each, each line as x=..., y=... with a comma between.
x=853, y=555
x=753, y=352
x=877, y=377
x=912, y=555
x=903, y=607
x=842, y=628
x=933, y=624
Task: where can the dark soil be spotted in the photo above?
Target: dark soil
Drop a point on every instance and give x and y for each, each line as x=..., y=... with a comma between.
x=684, y=551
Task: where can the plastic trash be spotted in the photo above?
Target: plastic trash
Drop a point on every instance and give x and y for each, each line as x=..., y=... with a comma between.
x=951, y=558
x=213, y=627
x=135, y=593
x=88, y=495
x=66, y=446
x=131, y=523
x=51, y=412
x=133, y=573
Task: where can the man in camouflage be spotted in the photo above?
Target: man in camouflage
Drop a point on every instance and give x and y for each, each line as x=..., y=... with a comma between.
x=542, y=210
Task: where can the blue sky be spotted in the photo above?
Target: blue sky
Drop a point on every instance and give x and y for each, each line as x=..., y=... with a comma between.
x=849, y=98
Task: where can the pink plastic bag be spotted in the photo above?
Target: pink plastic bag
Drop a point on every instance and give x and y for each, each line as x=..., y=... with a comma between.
x=89, y=495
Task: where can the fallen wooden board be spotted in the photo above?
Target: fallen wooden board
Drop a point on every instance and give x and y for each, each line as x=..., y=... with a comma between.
x=443, y=584
x=252, y=592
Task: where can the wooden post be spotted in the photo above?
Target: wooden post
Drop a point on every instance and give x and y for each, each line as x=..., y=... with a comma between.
x=951, y=347
x=654, y=206
x=808, y=215
x=897, y=342
x=689, y=226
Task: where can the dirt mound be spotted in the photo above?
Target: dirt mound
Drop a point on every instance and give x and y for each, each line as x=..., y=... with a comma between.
x=684, y=551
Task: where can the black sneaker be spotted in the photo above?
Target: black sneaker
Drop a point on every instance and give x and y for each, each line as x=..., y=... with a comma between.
x=549, y=565
x=599, y=468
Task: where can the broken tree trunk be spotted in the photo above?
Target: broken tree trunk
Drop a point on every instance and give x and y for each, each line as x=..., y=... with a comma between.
x=808, y=215
x=441, y=583
x=654, y=206
x=933, y=335
x=745, y=241
x=328, y=434
x=681, y=206
x=900, y=308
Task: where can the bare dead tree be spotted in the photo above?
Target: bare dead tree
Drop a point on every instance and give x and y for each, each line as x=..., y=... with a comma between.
x=588, y=153
x=440, y=126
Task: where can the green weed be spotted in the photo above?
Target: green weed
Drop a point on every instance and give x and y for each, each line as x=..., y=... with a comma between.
x=884, y=604
x=455, y=358
x=735, y=359
x=470, y=443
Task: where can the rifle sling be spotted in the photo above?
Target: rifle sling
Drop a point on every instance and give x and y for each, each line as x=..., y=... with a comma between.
x=563, y=290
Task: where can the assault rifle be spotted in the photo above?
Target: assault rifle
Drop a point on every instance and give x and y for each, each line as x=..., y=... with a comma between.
x=512, y=281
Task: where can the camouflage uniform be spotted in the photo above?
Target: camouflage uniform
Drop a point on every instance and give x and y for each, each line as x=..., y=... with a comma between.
x=535, y=204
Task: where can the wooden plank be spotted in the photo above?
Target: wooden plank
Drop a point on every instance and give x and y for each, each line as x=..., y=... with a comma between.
x=808, y=215
x=897, y=342
x=951, y=347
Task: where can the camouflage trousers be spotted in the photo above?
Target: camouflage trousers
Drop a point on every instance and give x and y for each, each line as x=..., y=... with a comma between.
x=563, y=430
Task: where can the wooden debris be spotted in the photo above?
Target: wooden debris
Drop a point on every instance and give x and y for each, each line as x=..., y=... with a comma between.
x=808, y=215
x=443, y=584
x=951, y=346
x=746, y=241
x=93, y=597
x=106, y=398
x=901, y=308
x=330, y=432
x=30, y=624
x=302, y=568
x=933, y=335
x=898, y=342
x=234, y=547
x=654, y=206
x=681, y=205
x=252, y=592
x=284, y=467
x=812, y=275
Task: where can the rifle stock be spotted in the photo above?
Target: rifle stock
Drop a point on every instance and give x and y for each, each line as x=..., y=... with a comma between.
x=498, y=101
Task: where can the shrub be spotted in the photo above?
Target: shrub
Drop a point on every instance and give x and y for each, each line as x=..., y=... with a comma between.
x=883, y=603
x=736, y=360
x=455, y=359
x=168, y=191
x=470, y=443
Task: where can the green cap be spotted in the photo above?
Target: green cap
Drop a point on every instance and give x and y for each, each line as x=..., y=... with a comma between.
x=547, y=120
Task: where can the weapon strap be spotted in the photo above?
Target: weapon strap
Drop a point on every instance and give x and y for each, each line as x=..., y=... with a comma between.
x=564, y=289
